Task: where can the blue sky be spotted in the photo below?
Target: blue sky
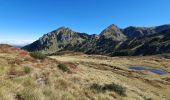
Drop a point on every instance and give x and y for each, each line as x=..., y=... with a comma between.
x=26, y=20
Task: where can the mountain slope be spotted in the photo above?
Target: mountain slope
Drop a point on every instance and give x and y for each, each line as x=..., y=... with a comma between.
x=57, y=40
x=146, y=45
x=132, y=31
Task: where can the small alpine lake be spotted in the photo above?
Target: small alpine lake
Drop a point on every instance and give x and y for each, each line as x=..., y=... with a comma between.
x=153, y=70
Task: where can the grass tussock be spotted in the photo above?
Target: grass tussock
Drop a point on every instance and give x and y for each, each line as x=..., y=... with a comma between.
x=63, y=67
x=38, y=55
x=109, y=87
x=27, y=69
x=15, y=72
x=28, y=94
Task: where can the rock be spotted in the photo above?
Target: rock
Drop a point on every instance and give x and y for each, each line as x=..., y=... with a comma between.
x=42, y=81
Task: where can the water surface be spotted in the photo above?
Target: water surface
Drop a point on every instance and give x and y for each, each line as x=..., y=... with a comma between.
x=153, y=70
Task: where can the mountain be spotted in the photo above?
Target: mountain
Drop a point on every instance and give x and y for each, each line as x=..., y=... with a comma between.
x=132, y=31
x=113, y=32
x=57, y=40
x=146, y=45
x=104, y=43
x=111, y=41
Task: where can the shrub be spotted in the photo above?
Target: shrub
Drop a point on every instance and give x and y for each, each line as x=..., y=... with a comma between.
x=147, y=98
x=37, y=55
x=110, y=87
x=116, y=88
x=27, y=70
x=63, y=67
x=19, y=97
x=97, y=87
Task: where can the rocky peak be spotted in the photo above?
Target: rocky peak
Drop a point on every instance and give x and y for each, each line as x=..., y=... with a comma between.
x=62, y=33
x=113, y=32
x=62, y=30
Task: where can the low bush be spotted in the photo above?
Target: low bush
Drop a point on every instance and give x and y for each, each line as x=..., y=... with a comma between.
x=27, y=70
x=110, y=87
x=97, y=87
x=63, y=67
x=19, y=97
x=37, y=55
x=147, y=98
x=116, y=88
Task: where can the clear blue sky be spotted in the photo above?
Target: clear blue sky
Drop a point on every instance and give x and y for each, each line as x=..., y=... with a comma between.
x=24, y=20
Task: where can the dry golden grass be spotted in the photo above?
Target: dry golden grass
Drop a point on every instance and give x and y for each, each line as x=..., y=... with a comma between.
x=45, y=81
x=139, y=85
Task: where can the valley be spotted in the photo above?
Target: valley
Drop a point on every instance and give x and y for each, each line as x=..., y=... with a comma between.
x=84, y=50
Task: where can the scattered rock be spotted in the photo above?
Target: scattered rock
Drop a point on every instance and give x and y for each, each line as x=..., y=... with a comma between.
x=42, y=81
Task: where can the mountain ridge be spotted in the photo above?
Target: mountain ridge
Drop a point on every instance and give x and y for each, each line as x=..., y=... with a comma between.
x=107, y=42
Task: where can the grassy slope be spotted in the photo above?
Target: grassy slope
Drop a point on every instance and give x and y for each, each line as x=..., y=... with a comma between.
x=47, y=82
x=139, y=85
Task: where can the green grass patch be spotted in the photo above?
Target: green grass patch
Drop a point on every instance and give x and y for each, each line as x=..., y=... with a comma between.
x=2, y=69
x=63, y=67
x=27, y=70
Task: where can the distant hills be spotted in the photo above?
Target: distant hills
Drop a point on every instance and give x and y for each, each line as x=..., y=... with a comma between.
x=16, y=43
x=112, y=41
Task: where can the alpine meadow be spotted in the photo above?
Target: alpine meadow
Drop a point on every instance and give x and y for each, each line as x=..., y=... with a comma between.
x=84, y=50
